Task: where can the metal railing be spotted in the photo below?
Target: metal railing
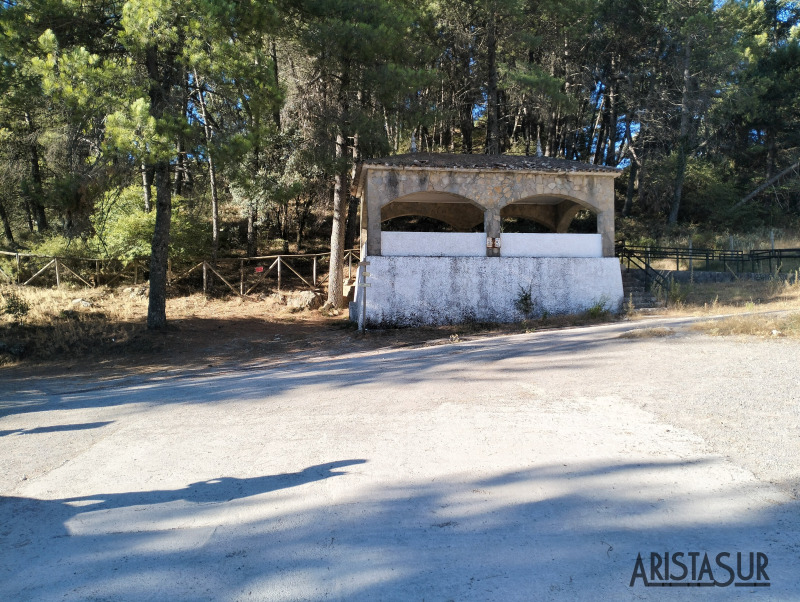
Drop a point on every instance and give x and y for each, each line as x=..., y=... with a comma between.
x=707, y=259
x=651, y=276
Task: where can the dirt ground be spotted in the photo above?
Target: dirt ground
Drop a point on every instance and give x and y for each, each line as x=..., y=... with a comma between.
x=109, y=336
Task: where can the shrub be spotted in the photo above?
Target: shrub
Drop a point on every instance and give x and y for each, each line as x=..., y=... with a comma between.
x=599, y=309
x=16, y=306
x=524, y=302
x=61, y=246
x=124, y=230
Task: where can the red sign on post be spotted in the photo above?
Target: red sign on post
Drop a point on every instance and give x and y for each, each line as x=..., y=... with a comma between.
x=259, y=269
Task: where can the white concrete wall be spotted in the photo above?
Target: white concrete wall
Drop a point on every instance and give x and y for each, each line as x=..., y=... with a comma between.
x=551, y=245
x=433, y=244
x=444, y=290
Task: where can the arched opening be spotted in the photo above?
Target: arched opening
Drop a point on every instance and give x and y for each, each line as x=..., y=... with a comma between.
x=421, y=223
x=432, y=211
x=548, y=214
x=553, y=226
x=584, y=222
x=523, y=225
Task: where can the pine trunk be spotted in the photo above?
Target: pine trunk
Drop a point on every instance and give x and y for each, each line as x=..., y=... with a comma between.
x=492, y=117
x=157, y=307
x=212, y=172
x=340, y=196
x=626, y=210
x=683, y=143
x=252, y=231
x=611, y=133
x=147, y=187
x=162, y=79
x=6, y=224
x=37, y=208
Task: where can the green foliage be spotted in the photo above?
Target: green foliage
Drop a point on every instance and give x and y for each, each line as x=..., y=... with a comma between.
x=15, y=306
x=524, y=302
x=133, y=131
x=710, y=193
x=57, y=245
x=677, y=293
x=599, y=310
x=79, y=113
x=124, y=230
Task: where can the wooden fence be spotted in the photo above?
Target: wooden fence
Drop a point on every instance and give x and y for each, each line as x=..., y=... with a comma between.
x=241, y=275
x=688, y=258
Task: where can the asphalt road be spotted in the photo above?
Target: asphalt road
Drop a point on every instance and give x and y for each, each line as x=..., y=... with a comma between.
x=529, y=467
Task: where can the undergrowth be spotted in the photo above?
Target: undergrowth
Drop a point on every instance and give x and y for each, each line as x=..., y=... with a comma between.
x=44, y=323
x=768, y=326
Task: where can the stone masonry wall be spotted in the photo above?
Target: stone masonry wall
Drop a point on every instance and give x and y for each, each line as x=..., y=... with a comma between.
x=492, y=190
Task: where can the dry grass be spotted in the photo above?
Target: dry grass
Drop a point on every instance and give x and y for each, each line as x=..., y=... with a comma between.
x=768, y=326
x=110, y=327
x=65, y=323
x=647, y=333
x=739, y=296
x=57, y=325
x=766, y=308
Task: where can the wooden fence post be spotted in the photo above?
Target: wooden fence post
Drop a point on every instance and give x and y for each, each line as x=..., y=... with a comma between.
x=241, y=277
x=18, y=272
x=314, y=275
x=58, y=275
x=279, y=272
x=205, y=277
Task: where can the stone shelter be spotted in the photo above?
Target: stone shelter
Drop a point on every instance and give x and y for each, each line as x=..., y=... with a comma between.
x=477, y=271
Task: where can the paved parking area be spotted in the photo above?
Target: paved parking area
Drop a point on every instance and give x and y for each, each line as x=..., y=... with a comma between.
x=521, y=467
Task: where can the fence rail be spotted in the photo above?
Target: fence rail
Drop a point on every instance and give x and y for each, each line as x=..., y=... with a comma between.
x=651, y=276
x=689, y=258
x=241, y=275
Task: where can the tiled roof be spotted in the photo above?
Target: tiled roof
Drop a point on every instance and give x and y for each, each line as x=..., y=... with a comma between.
x=507, y=162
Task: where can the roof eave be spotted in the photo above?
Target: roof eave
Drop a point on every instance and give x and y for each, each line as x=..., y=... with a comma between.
x=612, y=172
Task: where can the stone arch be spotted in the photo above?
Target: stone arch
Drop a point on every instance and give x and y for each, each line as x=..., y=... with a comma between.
x=554, y=211
x=459, y=212
x=489, y=188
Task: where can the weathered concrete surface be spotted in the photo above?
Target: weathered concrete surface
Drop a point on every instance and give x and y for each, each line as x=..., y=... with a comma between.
x=434, y=244
x=449, y=290
x=533, y=467
x=550, y=245
x=470, y=244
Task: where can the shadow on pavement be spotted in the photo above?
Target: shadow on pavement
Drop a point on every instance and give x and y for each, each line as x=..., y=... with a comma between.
x=551, y=532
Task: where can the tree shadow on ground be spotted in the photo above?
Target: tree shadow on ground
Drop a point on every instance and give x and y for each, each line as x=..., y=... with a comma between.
x=400, y=367
x=59, y=428
x=550, y=532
